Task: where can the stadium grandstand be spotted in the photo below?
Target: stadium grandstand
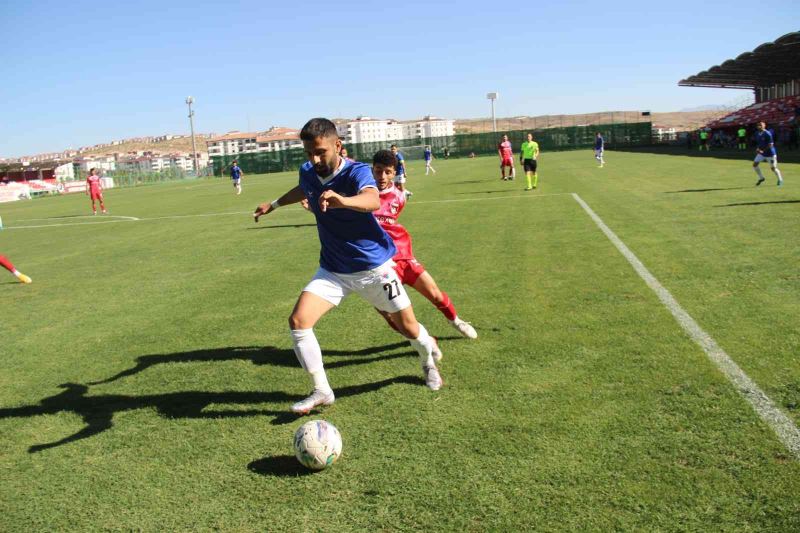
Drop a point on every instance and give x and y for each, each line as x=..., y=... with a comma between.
x=772, y=72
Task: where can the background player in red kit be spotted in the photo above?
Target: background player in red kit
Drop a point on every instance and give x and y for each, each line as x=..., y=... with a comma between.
x=506, y=153
x=95, y=189
x=5, y=263
x=409, y=270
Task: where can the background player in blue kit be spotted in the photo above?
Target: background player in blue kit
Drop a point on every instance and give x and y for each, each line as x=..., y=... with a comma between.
x=400, y=171
x=599, y=145
x=765, y=151
x=428, y=158
x=236, y=176
x=355, y=256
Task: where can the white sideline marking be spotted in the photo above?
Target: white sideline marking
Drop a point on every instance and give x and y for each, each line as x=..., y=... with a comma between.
x=202, y=215
x=124, y=219
x=783, y=426
x=534, y=195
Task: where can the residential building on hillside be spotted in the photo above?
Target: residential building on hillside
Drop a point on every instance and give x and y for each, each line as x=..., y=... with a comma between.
x=103, y=163
x=232, y=143
x=276, y=139
x=235, y=142
x=158, y=162
x=367, y=129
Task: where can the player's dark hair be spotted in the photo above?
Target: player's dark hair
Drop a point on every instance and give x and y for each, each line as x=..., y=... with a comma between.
x=91, y=170
x=316, y=128
x=393, y=146
x=385, y=158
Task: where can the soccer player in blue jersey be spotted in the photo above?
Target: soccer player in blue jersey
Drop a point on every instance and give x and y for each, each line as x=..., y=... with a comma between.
x=355, y=256
x=428, y=158
x=765, y=151
x=236, y=176
x=599, y=145
x=400, y=171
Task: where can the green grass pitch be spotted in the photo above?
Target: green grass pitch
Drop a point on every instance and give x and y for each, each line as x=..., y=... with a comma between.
x=146, y=374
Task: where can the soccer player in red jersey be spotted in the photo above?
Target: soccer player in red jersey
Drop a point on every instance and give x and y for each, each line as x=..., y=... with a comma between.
x=5, y=263
x=506, y=154
x=95, y=189
x=409, y=270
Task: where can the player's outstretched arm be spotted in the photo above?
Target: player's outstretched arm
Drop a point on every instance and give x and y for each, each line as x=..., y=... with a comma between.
x=365, y=201
x=291, y=197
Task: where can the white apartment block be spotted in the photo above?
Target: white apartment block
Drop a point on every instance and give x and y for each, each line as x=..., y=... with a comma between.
x=366, y=129
x=102, y=163
x=232, y=143
x=64, y=172
x=235, y=142
x=158, y=163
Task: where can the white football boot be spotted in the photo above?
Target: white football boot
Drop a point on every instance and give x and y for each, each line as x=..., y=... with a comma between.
x=316, y=399
x=465, y=328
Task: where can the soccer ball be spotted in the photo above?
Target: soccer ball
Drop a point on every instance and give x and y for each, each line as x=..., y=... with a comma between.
x=317, y=444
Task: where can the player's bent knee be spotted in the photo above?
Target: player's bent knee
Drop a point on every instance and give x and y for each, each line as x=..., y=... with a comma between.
x=297, y=321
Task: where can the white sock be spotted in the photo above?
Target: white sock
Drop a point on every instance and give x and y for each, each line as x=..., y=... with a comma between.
x=321, y=381
x=308, y=352
x=423, y=344
x=760, y=175
x=778, y=173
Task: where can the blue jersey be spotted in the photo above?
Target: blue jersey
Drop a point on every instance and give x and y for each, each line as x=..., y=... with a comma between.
x=350, y=241
x=400, y=167
x=236, y=172
x=764, y=140
x=598, y=143
x=427, y=155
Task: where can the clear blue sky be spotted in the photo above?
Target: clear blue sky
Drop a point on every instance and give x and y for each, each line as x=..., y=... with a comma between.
x=83, y=72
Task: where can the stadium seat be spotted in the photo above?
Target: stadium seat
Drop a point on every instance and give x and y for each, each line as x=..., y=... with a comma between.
x=776, y=112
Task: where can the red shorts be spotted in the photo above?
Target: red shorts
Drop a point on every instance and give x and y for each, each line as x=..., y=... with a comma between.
x=507, y=162
x=96, y=195
x=408, y=270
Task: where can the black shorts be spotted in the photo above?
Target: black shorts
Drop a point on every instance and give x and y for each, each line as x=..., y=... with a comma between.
x=529, y=165
x=703, y=141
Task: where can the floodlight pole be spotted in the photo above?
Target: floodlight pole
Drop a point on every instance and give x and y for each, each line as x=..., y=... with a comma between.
x=493, y=97
x=189, y=101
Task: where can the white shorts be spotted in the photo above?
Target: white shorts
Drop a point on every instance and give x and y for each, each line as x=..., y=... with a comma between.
x=380, y=287
x=772, y=160
x=598, y=153
x=400, y=178
x=235, y=182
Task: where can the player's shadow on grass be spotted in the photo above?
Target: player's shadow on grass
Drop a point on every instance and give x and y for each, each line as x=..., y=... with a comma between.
x=760, y=203
x=708, y=190
x=98, y=412
x=284, y=226
x=279, y=466
x=260, y=355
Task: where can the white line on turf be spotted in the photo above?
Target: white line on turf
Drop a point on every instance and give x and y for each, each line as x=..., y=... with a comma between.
x=783, y=426
x=203, y=215
x=126, y=219
x=534, y=195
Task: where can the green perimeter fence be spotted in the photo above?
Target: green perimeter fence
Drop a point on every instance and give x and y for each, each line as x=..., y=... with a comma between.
x=463, y=145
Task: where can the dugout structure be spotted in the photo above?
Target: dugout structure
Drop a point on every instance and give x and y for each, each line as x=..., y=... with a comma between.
x=457, y=146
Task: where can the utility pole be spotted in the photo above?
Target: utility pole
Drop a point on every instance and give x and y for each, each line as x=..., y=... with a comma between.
x=189, y=101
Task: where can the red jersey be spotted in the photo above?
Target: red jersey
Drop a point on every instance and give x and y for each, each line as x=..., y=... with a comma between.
x=94, y=184
x=393, y=200
x=505, y=149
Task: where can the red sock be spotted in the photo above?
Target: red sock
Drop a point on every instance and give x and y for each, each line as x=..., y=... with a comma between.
x=446, y=307
x=6, y=263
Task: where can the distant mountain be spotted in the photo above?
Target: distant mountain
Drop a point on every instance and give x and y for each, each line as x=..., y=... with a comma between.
x=709, y=107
